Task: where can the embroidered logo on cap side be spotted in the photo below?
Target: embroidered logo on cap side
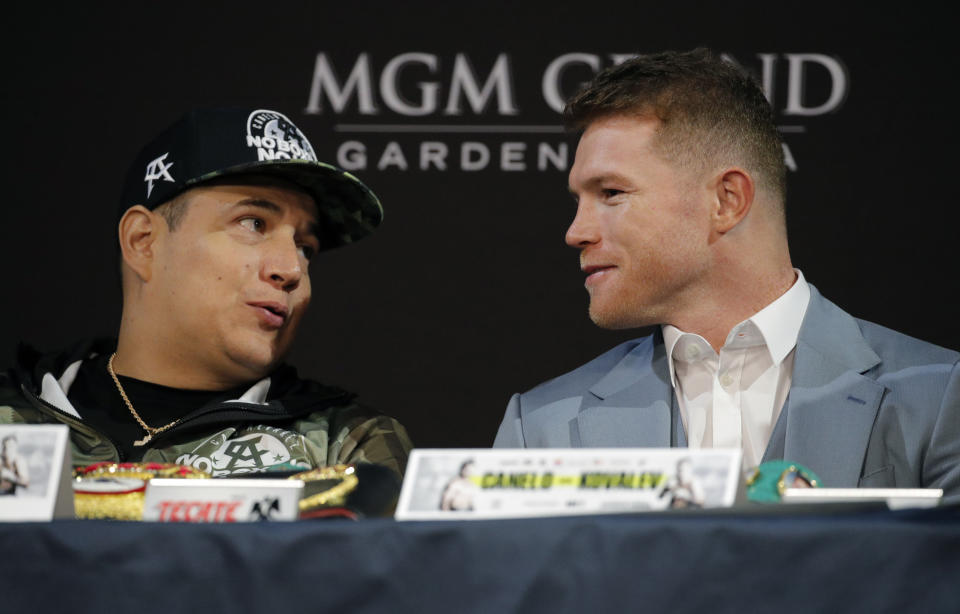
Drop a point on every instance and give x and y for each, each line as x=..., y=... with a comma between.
x=157, y=170
x=276, y=137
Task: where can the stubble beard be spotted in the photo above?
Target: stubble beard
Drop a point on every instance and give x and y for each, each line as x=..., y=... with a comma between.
x=619, y=316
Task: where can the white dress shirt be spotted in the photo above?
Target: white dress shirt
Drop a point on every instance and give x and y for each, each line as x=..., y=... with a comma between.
x=733, y=399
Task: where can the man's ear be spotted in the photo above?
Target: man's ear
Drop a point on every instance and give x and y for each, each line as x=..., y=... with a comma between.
x=734, y=196
x=138, y=231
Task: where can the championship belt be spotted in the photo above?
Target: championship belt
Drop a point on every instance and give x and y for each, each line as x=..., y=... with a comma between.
x=115, y=491
x=325, y=491
x=768, y=481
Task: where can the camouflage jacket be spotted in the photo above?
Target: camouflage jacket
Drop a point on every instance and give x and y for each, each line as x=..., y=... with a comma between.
x=281, y=423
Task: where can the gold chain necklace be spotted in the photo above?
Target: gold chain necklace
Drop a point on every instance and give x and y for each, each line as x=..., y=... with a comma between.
x=149, y=429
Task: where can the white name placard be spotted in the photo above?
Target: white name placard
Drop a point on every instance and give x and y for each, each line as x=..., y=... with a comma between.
x=482, y=483
x=35, y=472
x=221, y=500
x=895, y=498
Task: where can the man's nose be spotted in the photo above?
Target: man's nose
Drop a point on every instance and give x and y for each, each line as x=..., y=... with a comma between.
x=583, y=230
x=283, y=265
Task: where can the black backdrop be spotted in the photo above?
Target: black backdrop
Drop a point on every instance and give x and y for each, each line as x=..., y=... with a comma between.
x=467, y=292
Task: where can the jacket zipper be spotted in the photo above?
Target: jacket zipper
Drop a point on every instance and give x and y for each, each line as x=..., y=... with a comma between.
x=65, y=417
x=242, y=411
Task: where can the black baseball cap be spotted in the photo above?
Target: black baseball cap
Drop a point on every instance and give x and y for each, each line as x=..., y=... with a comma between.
x=212, y=143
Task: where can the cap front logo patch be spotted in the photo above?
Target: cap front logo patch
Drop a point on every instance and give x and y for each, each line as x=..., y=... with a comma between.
x=157, y=170
x=275, y=137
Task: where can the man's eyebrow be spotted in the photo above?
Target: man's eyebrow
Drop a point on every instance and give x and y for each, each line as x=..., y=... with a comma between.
x=598, y=180
x=312, y=229
x=260, y=203
x=605, y=177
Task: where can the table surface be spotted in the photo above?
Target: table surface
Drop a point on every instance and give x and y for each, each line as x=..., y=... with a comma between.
x=813, y=559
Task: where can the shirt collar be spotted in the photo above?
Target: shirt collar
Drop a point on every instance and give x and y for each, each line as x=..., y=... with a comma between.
x=671, y=335
x=778, y=323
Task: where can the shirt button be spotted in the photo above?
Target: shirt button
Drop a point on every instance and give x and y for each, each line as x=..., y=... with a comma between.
x=726, y=379
x=693, y=352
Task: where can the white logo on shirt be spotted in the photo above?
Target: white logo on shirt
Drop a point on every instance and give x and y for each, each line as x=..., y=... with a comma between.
x=252, y=452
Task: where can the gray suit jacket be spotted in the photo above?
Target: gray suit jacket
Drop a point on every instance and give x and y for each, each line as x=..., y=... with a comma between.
x=867, y=407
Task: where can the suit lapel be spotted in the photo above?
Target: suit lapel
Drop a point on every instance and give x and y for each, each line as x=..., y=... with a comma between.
x=825, y=424
x=831, y=407
x=632, y=405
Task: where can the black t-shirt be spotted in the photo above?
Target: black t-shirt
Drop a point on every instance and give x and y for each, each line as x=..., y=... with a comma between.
x=96, y=398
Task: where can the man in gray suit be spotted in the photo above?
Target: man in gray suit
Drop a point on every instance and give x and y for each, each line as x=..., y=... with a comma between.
x=679, y=180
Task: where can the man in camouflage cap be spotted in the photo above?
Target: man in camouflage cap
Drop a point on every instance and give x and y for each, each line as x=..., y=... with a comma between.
x=219, y=219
